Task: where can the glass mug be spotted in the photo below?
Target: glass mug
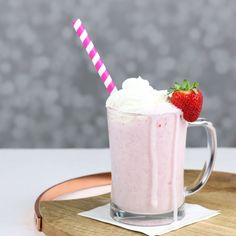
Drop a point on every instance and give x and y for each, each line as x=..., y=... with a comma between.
x=147, y=162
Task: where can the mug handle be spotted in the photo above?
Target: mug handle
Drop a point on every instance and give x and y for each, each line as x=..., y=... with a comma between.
x=208, y=167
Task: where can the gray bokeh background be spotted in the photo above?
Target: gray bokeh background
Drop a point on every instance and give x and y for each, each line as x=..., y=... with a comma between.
x=50, y=94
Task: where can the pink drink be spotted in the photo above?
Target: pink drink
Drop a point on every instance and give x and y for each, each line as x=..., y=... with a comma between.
x=147, y=160
x=147, y=136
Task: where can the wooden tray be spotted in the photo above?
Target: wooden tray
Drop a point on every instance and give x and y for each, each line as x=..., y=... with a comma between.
x=60, y=217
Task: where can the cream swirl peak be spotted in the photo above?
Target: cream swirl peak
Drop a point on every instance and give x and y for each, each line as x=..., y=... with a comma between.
x=137, y=96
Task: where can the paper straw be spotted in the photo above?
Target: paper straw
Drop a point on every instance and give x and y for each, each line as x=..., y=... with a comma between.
x=94, y=56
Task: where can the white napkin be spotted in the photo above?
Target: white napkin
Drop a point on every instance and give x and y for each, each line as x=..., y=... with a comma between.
x=193, y=214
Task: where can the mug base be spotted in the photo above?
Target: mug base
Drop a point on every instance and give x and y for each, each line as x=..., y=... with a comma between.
x=144, y=219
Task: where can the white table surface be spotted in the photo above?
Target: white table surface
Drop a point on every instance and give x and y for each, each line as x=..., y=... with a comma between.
x=24, y=174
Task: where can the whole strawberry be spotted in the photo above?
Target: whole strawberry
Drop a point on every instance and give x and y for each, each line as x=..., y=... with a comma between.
x=188, y=98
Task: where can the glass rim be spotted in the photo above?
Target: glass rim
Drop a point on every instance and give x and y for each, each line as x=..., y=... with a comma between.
x=178, y=111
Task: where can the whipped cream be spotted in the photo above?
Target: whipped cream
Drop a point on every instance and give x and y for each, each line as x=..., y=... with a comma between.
x=137, y=96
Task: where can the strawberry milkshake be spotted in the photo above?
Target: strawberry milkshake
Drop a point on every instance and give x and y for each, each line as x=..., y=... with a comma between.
x=147, y=136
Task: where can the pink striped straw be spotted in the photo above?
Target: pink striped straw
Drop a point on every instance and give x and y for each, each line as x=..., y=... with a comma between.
x=94, y=56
